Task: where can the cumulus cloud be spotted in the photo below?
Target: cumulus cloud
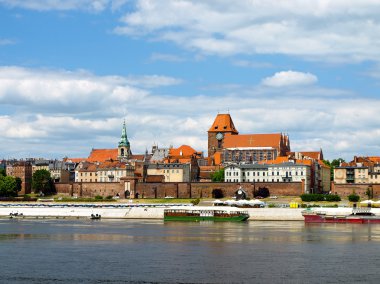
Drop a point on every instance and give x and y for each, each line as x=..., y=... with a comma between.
x=69, y=91
x=166, y=57
x=289, y=78
x=58, y=113
x=320, y=30
x=67, y=5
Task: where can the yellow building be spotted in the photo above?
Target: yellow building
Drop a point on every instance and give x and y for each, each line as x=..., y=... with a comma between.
x=174, y=172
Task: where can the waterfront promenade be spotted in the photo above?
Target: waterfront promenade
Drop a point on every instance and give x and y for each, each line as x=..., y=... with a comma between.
x=141, y=211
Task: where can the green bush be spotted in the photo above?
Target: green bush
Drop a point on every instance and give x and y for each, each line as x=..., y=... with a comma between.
x=313, y=205
x=271, y=205
x=262, y=191
x=353, y=197
x=109, y=197
x=332, y=197
x=320, y=197
x=195, y=201
x=98, y=197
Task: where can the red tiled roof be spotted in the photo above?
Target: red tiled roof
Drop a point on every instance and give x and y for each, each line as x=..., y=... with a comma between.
x=223, y=123
x=374, y=159
x=137, y=157
x=283, y=159
x=314, y=155
x=183, y=150
x=253, y=140
x=102, y=155
x=112, y=164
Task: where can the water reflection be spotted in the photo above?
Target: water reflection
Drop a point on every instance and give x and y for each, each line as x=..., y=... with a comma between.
x=119, y=251
x=154, y=231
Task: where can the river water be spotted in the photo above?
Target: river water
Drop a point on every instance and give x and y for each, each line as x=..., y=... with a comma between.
x=135, y=251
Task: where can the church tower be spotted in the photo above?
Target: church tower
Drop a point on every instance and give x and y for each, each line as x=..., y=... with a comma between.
x=222, y=125
x=124, y=148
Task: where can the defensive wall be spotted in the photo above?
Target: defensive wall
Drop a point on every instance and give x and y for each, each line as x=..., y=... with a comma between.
x=344, y=190
x=176, y=190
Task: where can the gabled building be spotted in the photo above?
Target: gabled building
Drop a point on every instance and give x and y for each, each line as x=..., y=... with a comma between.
x=86, y=172
x=114, y=171
x=361, y=170
x=173, y=172
x=226, y=145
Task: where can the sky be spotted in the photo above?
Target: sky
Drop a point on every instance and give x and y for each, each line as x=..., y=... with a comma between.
x=71, y=72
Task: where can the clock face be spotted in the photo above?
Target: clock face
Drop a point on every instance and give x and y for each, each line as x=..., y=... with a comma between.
x=219, y=136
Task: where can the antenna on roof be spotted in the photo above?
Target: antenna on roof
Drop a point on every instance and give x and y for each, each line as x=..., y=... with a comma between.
x=228, y=111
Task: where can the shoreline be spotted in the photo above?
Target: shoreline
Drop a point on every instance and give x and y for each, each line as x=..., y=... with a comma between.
x=131, y=211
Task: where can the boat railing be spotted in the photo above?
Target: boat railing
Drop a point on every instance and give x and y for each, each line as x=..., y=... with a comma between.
x=361, y=210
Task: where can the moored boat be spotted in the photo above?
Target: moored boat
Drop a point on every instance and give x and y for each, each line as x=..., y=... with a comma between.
x=95, y=216
x=205, y=215
x=357, y=216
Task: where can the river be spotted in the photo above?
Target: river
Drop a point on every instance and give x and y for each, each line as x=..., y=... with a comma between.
x=144, y=251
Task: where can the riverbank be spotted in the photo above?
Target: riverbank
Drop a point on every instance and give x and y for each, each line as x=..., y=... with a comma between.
x=141, y=211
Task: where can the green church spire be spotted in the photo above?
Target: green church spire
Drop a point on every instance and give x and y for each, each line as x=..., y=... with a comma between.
x=124, y=139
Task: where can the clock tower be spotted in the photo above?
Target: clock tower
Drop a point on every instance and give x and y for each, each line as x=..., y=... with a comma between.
x=223, y=125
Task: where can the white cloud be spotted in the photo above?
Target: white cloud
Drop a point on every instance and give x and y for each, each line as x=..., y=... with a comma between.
x=56, y=113
x=289, y=78
x=152, y=81
x=327, y=30
x=166, y=57
x=67, y=5
x=4, y=41
x=70, y=91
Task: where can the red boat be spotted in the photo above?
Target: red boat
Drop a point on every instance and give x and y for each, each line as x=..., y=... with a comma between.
x=358, y=216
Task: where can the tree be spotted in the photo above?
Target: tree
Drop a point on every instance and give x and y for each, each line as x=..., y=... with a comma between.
x=218, y=176
x=262, y=191
x=369, y=193
x=8, y=186
x=42, y=182
x=333, y=164
x=3, y=172
x=353, y=197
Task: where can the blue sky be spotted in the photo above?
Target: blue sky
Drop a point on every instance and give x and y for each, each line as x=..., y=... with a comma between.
x=71, y=71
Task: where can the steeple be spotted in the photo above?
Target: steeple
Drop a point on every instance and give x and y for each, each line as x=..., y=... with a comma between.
x=124, y=139
x=124, y=149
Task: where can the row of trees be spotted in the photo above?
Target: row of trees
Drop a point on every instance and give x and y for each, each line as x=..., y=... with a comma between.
x=41, y=183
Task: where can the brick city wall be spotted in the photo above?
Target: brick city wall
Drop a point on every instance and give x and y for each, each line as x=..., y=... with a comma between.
x=343, y=190
x=177, y=190
x=90, y=189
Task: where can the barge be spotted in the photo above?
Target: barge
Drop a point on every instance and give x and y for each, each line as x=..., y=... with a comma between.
x=357, y=216
x=198, y=215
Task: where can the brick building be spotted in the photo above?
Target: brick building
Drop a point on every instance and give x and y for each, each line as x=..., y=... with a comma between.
x=24, y=171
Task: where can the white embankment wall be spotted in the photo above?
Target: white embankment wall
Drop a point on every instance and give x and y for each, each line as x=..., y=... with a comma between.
x=153, y=212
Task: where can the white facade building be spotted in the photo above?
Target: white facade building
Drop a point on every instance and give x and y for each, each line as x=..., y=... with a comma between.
x=284, y=172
